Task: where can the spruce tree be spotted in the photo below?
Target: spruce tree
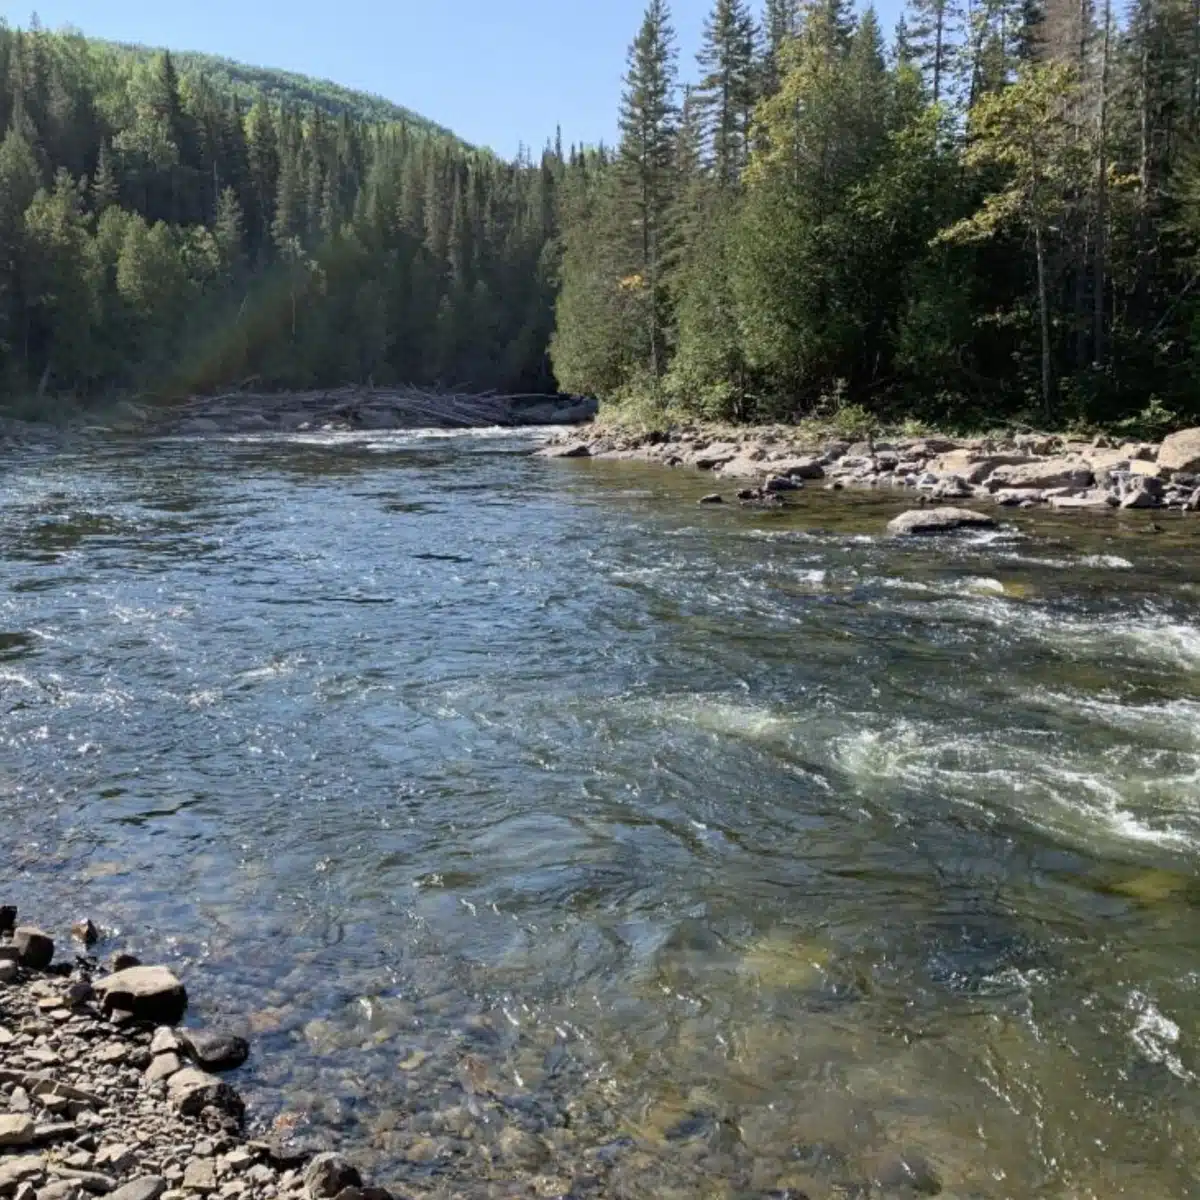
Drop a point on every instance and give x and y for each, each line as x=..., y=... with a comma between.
x=726, y=93
x=105, y=189
x=645, y=172
x=781, y=20
x=934, y=29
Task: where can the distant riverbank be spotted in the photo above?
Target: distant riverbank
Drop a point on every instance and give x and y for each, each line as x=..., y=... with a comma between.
x=762, y=465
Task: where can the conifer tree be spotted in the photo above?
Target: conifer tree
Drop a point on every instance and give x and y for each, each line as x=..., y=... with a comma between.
x=725, y=95
x=645, y=172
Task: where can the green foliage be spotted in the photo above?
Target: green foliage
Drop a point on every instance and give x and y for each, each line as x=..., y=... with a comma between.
x=996, y=220
x=285, y=88
x=158, y=232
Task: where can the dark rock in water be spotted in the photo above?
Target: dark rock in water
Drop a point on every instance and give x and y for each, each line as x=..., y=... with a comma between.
x=34, y=948
x=781, y=483
x=328, y=1175
x=715, y=498
x=192, y=1091
x=8, y=918
x=907, y=1175
x=939, y=520
x=1143, y=497
x=149, y=993
x=85, y=931
x=286, y=1158
x=122, y=961
x=216, y=1051
x=570, y=450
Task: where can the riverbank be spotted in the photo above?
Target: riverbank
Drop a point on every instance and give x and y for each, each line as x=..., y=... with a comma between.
x=762, y=465
x=101, y=1094
x=329, y=410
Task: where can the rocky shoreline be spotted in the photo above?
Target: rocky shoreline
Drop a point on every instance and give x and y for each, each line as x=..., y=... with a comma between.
x=1026, y=471
x=102, y=1094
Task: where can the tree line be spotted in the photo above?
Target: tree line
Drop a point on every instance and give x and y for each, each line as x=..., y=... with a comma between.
x=993, y=215
x=160, y=234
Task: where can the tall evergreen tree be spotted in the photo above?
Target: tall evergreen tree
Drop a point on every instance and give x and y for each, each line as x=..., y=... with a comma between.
x=645, y=171
x=726, y=95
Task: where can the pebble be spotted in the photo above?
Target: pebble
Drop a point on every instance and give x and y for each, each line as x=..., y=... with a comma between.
x=119, y=1112
x=163, y=1066
x=146, y=1187
x=200, y=1176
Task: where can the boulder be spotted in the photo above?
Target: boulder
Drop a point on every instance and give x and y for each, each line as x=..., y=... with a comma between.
x=1048, y=473
x=216, y=1051
x=16, y=1129
x=192, y=1091
x=1192, y=504
x=328, y=1175
x=34, y=948
x=1143, y=497
x=165, y=1041
x=952, y=488
x=781, y=483
x=162, y=1066
x=715, y=498
x=939, y=520
x=8, y=918
x=1181, y=452
x=975, y=467
x=799, y=468
x=28, y=1168
x=149, y=993
x=1089, y=500
x=568, y=450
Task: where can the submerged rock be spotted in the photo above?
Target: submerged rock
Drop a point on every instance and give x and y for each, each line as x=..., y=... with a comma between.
x=938, y=520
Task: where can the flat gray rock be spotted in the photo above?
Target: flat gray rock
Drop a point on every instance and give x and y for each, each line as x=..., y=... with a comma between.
x=149, y=993
x=15, y=1129
x=938, y=520
x=148, y=1187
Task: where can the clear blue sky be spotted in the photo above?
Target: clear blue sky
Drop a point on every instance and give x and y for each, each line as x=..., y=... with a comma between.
x=497, y=72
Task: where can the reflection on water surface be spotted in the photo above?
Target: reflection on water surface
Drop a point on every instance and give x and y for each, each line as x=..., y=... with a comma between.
x=542, y=826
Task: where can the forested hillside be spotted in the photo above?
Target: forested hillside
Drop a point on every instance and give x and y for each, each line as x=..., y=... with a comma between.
x=994, y=214
x=248, y=83
x=157, y=233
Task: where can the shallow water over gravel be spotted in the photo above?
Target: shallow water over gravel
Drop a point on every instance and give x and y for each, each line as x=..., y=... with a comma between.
x=552, y=835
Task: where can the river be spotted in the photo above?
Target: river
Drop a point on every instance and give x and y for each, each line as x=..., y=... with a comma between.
x=538, y=823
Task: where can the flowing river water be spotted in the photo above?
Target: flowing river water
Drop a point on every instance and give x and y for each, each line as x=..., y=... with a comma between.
x=552, y=835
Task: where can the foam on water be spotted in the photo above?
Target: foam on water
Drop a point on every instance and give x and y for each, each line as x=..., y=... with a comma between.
x=1052, y=785
x=1156, y=1036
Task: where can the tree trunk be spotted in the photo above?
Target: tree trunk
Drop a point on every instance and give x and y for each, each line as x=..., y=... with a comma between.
x=1194, y=112
x=1044, y=314
x=1100, y=270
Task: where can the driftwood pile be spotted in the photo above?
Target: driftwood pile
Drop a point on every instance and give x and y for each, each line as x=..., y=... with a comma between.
x=371, y=408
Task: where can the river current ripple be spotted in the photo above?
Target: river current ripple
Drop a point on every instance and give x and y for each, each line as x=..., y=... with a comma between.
x=552, y=835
